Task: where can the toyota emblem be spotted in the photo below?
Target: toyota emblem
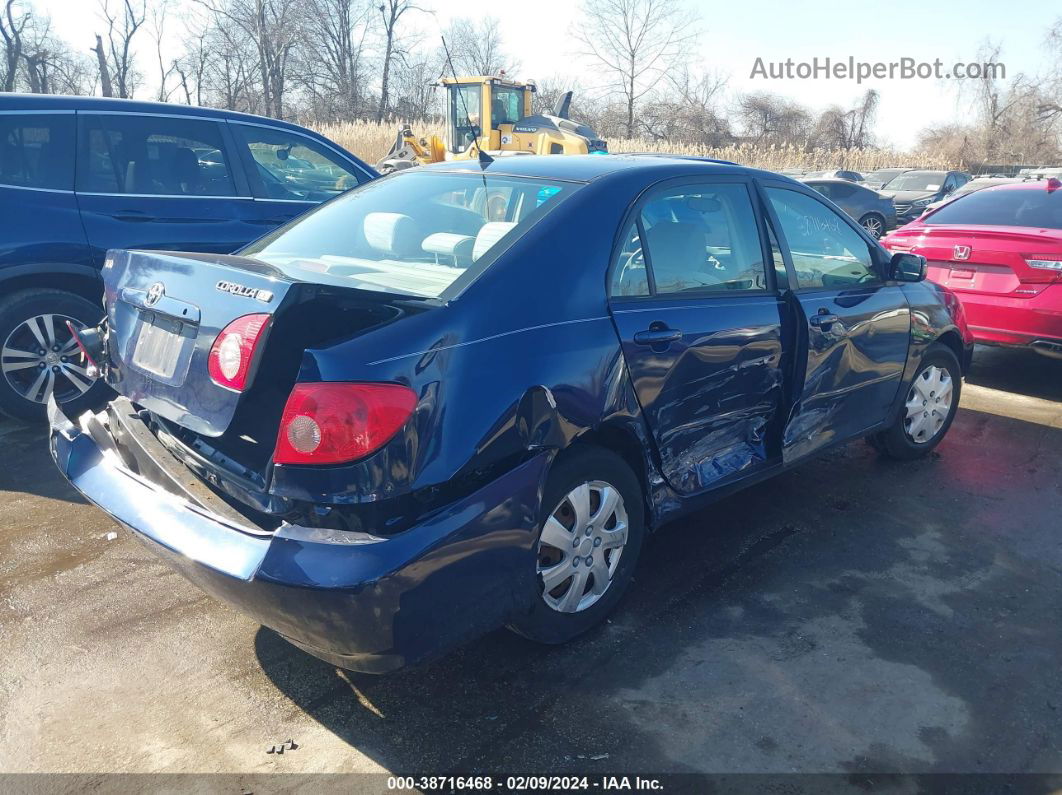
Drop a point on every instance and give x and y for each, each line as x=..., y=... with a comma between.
x=155, y=293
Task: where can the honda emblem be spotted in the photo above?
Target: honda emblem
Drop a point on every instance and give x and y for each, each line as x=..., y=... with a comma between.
x=962, y=252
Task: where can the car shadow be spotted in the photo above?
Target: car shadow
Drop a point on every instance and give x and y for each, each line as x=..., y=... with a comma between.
x=27, y=466
x=853, y=614
x=1016, y=370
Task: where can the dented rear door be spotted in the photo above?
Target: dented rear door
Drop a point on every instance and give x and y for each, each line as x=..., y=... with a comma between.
x=701, y=328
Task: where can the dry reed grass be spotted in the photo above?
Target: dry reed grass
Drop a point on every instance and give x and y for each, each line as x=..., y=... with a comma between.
x=371, y=141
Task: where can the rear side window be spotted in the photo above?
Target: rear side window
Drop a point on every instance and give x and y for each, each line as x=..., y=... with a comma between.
x=152, y=155
x=293, y=167
x=699, y=239
x=1035, y=207
x=37, y=151
x=826, y=251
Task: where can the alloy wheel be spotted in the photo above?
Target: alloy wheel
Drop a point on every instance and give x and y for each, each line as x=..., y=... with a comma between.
x=40, y=357
x=874, y=227
x=580, y=546
x=928, y=404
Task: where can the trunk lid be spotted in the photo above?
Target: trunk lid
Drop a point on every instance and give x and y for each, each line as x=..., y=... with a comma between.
x=986, y=260
x=164, y=311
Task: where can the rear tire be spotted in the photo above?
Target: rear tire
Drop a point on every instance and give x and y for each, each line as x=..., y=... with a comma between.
x=929, y=408
x=32, y=322
x=570, y=534
x=874, y=225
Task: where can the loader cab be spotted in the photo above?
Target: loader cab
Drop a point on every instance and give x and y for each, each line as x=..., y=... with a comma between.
x=483, y=108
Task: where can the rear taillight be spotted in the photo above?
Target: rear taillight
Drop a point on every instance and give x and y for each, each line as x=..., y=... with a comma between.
x=1047, y=262
x=330, y=423
x=232, y=353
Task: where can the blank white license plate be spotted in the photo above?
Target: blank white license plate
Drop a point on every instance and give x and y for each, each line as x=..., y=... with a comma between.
x=158, y=348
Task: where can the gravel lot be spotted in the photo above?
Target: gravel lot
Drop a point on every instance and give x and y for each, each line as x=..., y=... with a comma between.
x=906, y=621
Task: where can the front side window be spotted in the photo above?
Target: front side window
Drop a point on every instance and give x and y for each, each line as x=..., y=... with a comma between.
x=290, y=166
x=153, y=155
x=418, y=235
x=826, y=251
x=37, y=151
x=699, y=239
x=1038, y=208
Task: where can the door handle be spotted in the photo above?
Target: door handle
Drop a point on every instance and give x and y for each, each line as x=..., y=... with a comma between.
x=658, y=336
x=823, y=320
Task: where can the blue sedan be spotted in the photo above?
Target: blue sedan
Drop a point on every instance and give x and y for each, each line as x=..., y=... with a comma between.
x=462, y=396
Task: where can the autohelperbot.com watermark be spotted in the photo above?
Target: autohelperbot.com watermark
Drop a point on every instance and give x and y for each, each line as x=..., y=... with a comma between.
x=851, y=69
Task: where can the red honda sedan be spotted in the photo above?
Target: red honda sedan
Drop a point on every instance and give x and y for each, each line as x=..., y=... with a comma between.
x=1000, y=251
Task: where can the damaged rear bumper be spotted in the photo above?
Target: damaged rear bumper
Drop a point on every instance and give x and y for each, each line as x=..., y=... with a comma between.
x=359, y=601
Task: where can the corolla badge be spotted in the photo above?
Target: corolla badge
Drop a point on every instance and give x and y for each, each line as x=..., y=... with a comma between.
x=155, y=293
x=961, y=252
x=265, y=296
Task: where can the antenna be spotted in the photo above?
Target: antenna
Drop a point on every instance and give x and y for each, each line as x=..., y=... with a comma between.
x=484, y=158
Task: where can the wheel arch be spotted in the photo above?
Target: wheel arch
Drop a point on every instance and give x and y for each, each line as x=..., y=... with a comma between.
x=623, y=441
x=80, y=280
x=951, y=340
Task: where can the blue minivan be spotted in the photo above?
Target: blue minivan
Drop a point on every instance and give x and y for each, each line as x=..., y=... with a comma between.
x=81, y=175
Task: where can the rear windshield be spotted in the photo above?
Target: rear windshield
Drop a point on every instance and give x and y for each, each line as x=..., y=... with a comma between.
x=1035, y=208
x=918, y=180
x=420, y=233
x=883, y=176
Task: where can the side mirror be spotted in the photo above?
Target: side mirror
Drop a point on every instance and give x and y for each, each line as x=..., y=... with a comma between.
x=905, y=267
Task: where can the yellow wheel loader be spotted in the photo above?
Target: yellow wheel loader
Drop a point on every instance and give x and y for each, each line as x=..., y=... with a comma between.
x=492, y=115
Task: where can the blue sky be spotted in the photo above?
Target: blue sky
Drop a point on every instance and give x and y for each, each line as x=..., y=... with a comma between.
x=734, y=34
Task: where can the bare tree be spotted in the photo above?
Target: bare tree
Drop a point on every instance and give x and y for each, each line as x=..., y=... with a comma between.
x=157, y=22
x=476, y=47
x=636, y=42
x=391, y=13
x=274, y=28
x=339, y=29
x=122, y=26
x=772, y=120
x=848, y=129
x=413, y=85
x=105, y=73
x=12, y=24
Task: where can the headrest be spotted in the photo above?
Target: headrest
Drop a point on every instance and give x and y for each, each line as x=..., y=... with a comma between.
x=676, y=247
x=392, y=233
x=449, y=244
x=489, y=234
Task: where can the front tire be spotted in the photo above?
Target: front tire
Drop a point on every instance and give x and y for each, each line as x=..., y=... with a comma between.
x=38, y=356
x=590, y=537
x=929, y=408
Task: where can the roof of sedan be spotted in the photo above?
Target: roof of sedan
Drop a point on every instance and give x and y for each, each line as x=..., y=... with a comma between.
x=1049, y=185
x=584, y=168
